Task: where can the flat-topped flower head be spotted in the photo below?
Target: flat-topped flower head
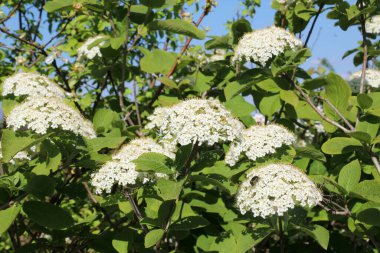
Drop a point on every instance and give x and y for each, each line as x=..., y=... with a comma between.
x=274, y=189
x=261, y=46
x=372, y=79
x=201, y=121
x=373, y=25
x=259, y=141
x=121, y=170
x=31, y=85
x=90, y=52
x=46, y=113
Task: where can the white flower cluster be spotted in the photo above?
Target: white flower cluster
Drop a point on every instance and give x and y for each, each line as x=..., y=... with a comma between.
x=44, y=113
x=275, y=189
x=90, y=53
x=260, y=46
x=373, y=25
x=202, y=121
x=31, y=85
x=121, y=170
x=259, y=141
x=372, y=79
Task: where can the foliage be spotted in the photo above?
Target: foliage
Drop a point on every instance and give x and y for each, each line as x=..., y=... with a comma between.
x=144, y=59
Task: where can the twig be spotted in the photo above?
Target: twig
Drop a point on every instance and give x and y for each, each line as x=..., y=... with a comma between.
x=39, y=20
x=96, y=204
x=281, y=234
x=11, y=202
x=352, y=128
x=183, y=50
x=313, y=24
x=320, y=113
x=10, y=14
x=375, y=162
x=135, y=209
x=136, y=102
x=59, y=33
x=365, y=59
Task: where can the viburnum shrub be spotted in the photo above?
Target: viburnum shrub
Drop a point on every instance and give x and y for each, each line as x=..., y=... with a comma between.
x=122, y=133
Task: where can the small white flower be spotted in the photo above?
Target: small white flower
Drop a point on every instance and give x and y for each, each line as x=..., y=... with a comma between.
x=193, y=121
x=20, y=60
x=373, y=25
x=31, y=85
x=261, y=46
x=42, y=114
x=372, y=79
x=259, y=141
x=274, y=189
x=121, y=170
x=91, y=53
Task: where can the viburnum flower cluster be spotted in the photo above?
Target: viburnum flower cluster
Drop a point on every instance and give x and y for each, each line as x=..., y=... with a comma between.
x=31, y=85
x=259, y=141
x=202, y=121
x=121, y=170
x=90, y=52
x=373, y=25
x=274, y=189
x=45, y=113
x=261, y=46
x=372, y=79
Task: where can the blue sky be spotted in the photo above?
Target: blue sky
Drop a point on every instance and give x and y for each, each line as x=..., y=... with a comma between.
x=327, y=41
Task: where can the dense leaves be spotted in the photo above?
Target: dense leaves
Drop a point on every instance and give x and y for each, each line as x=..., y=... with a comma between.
x=157, y=53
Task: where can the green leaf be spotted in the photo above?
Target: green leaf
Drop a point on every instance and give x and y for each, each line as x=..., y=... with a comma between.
x=14, y=142
x=376, y=140
x=122, y=240
x=40, y=186
x=208, y=180
x=104, y=120
x=178, y=26
x=169, y=189
x=117, y=42
x=318, y=233
x=268, y=105
x=311, y=152
x=368, y=190
x=48, y=215
x=168, y=82
x=218, y=42
x=239, y=28
x=340, y=145
x=153, y=237
x=374, y=111
x=50, y=158
x=57, y=5
x=189, y=223
x=289, y=97
x=349, y=175
x=239, y=106
x=153, y=3
x=157, y=61
x=364, y=101
x=338, y=92
x=153, y=162
x=7, y=217
x=182, y=156
x=361, y=136
x=369, y=213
